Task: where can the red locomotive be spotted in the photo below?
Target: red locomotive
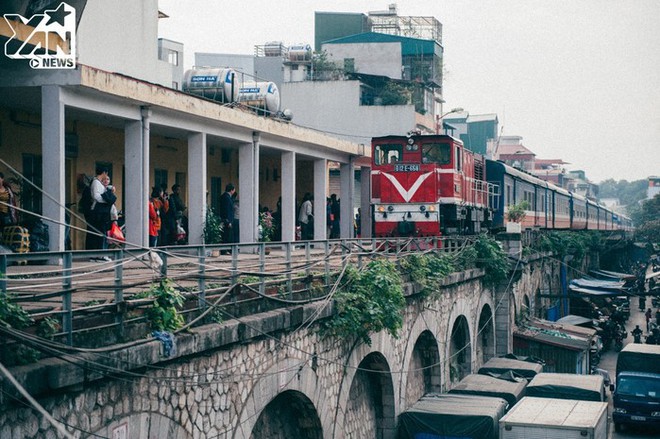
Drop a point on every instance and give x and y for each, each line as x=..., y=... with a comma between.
x=427, y=185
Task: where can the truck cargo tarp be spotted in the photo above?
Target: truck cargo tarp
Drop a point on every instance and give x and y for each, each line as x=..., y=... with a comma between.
x=613, y=275
x=598, y=284
x=443, y=416
x=575, y=320
x=567, y=386
x=502, y=365
x=594, y=292
x=485, y=385
x=639, y=358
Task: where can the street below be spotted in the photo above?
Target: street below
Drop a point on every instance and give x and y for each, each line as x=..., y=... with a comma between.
x=608, y=362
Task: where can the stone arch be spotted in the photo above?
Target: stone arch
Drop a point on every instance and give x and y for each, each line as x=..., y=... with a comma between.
x=461, y=310
x=144, y=425
x=460, y=350
x=290, y=414
x=425, y=320
x=485, y=336
x=423, y=369
x=370, y=409
x=289, y=374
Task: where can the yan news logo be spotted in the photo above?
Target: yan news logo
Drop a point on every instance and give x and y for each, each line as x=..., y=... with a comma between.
x=47, y=40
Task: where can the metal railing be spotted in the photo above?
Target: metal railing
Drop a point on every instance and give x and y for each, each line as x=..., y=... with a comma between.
x=85, y=296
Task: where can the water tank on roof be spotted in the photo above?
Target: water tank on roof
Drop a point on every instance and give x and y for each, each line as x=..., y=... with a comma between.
x=261, y=96
x=300, y=52
x=274, y=48
x=219, y=84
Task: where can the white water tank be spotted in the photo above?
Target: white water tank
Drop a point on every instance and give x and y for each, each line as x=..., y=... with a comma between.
x=219, y=84
x=260, y=96
x=300, y=52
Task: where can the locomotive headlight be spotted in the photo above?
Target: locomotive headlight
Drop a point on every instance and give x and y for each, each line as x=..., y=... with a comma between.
x=432, y=208
x=381, y=209
x=409, y=147
x=411, y=140
x=415, y=147
x=422, y=208
x=390, y=208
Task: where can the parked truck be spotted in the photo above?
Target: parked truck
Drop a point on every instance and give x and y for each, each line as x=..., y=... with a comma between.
x=637, y=391
x=555, y=418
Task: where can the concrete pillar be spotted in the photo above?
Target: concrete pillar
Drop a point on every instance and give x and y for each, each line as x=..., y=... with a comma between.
x=503, y=323
x=136, y=152
x=347, y=182
x=248, y=183
x=365, y=204
x=288, y=196
x=320, y=192
x=52, y=145
x=197, y=171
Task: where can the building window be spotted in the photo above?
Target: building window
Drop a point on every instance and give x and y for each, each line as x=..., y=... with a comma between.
x=173, y=57
x=349, y=65
x=160, y=178
x=175, y=85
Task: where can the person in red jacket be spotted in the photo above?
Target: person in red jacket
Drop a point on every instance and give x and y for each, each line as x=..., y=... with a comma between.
x=154, y=217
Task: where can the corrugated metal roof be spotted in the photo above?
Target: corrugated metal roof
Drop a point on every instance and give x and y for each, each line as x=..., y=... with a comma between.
x=409, y=46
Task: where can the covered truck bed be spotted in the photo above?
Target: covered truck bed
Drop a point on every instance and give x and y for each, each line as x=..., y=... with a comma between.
x=485, y=385
x=444, y=416
x=498, y=366
x=567, y=386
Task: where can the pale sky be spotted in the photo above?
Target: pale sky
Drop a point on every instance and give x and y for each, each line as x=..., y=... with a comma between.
x=577, y=79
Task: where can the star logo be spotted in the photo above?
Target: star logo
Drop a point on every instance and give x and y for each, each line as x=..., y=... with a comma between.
x=57, y=15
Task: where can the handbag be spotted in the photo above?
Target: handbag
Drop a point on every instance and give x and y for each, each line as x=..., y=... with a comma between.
x=115, y=235
x=180, y=232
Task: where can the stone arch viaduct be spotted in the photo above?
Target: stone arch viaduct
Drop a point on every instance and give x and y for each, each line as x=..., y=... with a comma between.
x=274, y=375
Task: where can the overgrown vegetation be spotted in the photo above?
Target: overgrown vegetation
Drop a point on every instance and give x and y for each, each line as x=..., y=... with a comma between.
x=14, y=316
x=369, y=301
x=164, y=315
x=213, y=227
x=647, y=221
x=564, y=243
x=517, y=212
x=372, y=299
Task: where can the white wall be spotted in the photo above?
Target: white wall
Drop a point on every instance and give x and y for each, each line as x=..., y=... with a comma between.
x=334, y=106
x=133, y=51
x=370, y=58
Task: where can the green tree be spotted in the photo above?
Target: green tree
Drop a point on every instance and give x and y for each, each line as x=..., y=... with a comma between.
x=647, y=220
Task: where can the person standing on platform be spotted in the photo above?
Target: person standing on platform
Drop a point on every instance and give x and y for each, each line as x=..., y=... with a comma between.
x=227, y=214
x=306, y=218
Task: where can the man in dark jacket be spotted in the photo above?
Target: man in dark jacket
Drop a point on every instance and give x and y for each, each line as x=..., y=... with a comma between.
x=227, y=213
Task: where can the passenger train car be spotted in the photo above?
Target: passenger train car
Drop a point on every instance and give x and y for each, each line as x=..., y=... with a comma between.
x=430, y=185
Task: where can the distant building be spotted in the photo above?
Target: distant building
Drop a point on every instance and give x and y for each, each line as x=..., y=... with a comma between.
x=654, y=187
x=578, y=183
x=512, y=152
x=136, y=51
x=475, y=130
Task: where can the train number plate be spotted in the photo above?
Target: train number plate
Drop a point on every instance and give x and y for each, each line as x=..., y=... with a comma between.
x=406, y=168
x=638, y=418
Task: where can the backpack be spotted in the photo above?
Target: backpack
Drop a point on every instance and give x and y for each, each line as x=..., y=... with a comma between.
x=86, y=200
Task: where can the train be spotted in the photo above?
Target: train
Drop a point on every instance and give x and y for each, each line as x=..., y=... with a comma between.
x=431, y=185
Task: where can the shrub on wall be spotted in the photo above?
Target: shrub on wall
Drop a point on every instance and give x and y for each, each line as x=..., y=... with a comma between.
x=369, y=301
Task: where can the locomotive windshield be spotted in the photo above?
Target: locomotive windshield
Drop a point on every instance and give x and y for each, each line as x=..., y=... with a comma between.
x=439, y=153
x=388, y=153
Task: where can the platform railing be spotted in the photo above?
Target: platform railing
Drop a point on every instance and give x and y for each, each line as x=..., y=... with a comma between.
x=85, y=295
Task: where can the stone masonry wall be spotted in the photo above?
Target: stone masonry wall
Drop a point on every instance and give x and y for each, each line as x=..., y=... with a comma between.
x=224, y=376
